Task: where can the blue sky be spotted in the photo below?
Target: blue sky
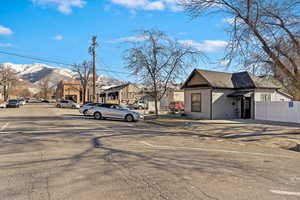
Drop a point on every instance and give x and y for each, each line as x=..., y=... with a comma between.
x=61, y=29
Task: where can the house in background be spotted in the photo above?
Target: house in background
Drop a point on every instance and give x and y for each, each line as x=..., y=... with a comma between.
x=100, y=93
x=69, y=90
x=122, y=94
x=220, y=95
x=174, y=93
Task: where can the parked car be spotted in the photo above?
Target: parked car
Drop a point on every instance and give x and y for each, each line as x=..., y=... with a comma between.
x=22, y=102
x=33, y=101
x=84, y=108
x=45, y=101
x=140, y=104
x=13, y=103
x=114, y=111
x=67, y=104
x=2, y=104
x=176, y=106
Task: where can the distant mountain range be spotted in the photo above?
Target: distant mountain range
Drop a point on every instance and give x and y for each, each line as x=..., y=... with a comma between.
x=35, y=72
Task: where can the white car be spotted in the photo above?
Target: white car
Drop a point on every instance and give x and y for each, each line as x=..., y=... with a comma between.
x=22, y=102
x=2, y=105
x=84, y=108
x=114, y=111
x=67, y=104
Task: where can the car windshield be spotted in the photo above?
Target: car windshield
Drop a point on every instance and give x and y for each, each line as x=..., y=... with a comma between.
x=119, y=107
x=89, y=104
x=13, y=101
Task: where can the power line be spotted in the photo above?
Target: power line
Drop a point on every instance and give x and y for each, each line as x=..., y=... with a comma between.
x=34, y=58
x=106, y=66
x=53, y=61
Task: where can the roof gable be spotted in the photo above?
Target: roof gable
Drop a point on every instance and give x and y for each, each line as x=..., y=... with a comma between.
x=195, y=79
x=240, y=80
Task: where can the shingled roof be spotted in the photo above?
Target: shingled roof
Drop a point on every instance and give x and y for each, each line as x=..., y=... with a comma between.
x=240, y=80
x=118, y=87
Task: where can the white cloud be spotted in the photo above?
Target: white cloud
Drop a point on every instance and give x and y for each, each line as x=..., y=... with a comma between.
x=131, y=3
x=149, y=4
x=228, y=20
x=138, y=38
x=6, y=45
x=224, y=62
x=58, y=37
x=156, y=5
x=208, y=46
x=5, y=30
x=64, y=6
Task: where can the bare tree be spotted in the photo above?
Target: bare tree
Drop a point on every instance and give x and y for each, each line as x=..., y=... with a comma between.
x=25, y=92
x=264, y=35
x=83, y=73
x=158, y=60
x=7, y=78
x=45, y=87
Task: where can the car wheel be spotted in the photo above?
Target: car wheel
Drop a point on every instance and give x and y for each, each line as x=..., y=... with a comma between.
x=97, y=115
x=140, y=107
x=73, y=107
x=129, y=118
x=85, y=112
x=58, y=106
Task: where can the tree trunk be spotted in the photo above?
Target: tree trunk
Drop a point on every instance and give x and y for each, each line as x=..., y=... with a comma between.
x=4, y=93
x=45, y=94
x=156, y=103
x=84, y=95
x=156, y=107
x=5, y=89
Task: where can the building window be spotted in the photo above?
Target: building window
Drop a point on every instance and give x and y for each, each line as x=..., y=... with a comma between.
x=196, y=102
x=130, y=95
x=265, y=97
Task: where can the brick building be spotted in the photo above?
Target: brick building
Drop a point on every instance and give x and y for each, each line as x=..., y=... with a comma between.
x=69, y=90
x=122, y=94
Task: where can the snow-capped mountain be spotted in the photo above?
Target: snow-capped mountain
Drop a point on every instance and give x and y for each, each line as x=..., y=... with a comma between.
x=108, y=81
x=36, y=72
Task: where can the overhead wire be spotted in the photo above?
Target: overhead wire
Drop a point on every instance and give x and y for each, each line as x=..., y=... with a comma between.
x=107, y=67
x=49, y=60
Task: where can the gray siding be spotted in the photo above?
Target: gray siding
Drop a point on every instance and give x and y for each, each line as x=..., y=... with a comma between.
x=225, y=107
x=205, y=103
x=275, y=96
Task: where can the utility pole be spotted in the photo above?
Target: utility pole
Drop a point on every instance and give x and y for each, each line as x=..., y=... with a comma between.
x=92, y=51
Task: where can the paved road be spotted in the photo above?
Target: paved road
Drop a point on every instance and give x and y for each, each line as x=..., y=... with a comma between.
x=55, y=154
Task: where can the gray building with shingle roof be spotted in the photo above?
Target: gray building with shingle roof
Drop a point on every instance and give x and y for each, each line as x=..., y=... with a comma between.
x=221, y=95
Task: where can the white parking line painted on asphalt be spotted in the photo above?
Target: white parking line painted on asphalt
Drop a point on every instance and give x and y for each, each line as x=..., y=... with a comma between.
x=4, y=126
x=285, y=193
x=216, y=150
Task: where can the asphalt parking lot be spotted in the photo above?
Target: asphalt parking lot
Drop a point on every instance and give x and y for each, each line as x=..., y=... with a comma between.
x=51, y=153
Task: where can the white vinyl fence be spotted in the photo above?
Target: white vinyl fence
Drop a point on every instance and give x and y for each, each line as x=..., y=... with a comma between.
x=282, y=111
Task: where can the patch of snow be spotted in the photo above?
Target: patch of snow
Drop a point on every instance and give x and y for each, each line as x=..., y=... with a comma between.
x=34, y=90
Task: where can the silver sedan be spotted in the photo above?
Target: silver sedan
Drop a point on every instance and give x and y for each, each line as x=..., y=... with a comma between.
x=84, y=108
x=114, y=111
x=67, y=104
